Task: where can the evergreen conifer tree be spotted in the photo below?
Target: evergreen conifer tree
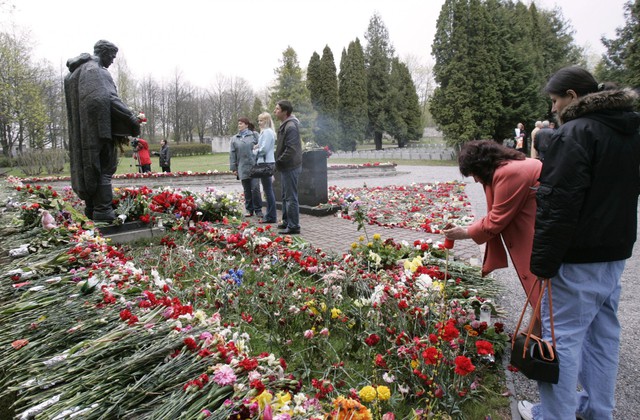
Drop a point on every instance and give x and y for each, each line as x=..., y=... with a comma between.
x=352, y=107
x=291, y=86
x=378, y=55
x=621, y=63
x=326, y=132
x=313, y=80
x=491, y=60
x=403, y=119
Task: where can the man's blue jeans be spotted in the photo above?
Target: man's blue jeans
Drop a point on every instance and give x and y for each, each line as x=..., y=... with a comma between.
x=585, y=301
x=290, y=206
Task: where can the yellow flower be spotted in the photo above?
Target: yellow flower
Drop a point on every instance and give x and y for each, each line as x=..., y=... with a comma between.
x=282, y=399
x=264, y=399
x=414, y=364
x=361, y=238
x=354, y=245
x=384, y=393
x=376, y=236
x=335, y=313
x=368, y=393
x=323, y=307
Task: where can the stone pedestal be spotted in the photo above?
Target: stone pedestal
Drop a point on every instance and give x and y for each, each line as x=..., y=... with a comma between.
x=130, y=231
x=312, y=184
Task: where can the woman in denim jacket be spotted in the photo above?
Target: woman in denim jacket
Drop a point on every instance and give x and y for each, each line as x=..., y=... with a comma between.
x=264, y=151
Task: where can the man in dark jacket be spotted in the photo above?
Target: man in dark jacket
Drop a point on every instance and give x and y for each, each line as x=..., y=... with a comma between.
x=165, y=156
x=98, y=119
x=289, y=163
x=585, y=230
x=543, y=140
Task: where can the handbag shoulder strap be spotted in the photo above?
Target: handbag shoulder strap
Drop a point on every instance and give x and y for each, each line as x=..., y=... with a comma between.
x=546, y=284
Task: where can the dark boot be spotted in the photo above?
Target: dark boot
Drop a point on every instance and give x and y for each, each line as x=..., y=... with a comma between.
x=102, y=202
x=88, y=209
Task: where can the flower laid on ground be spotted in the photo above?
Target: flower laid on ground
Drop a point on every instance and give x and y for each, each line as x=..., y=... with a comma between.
x=427, y=207
x=225, y=319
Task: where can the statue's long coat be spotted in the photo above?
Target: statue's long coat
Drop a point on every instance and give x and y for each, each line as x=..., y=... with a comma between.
x=96, y=115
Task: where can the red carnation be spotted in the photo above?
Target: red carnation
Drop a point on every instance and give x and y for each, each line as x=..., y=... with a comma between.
x=463, y=366
x=431, y=355
x=484, y=347
x=372, y=340
x=190, y=342
x=450, y=331
x=249, y=364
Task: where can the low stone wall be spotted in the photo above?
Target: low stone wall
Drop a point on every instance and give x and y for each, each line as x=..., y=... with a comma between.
x=428, y=152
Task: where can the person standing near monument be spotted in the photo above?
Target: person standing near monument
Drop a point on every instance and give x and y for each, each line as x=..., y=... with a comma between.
x=264, y=152
x=289, y=163
x=142, y=155
x=165, y=156
x=98, y=121
x=241, y=160
x=543, y=140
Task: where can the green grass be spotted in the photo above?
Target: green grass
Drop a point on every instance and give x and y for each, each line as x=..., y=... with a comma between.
x=200, y=163
x=494, y=404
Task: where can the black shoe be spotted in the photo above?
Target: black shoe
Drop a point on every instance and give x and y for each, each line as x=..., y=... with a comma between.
x=262, y=221
x=289, y=231
x=282, y=226
x=260, y=215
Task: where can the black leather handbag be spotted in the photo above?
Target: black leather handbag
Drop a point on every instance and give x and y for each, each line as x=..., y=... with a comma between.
x=534, y=357
x=262, y=170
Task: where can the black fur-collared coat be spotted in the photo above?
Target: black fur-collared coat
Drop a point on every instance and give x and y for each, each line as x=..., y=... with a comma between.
x=589, y=184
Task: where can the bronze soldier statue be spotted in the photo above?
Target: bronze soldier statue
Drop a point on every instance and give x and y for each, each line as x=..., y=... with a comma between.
x=98, y=121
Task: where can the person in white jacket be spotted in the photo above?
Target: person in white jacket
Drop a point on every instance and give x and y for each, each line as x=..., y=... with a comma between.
x=264, y=152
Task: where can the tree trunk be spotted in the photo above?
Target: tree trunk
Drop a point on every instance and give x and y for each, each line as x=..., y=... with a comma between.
x=377, y=139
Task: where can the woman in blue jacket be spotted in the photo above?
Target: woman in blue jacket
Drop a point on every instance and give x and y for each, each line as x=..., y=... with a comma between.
x=264, y=152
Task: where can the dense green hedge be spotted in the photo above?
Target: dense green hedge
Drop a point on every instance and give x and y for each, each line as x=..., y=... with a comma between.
x=6, y=162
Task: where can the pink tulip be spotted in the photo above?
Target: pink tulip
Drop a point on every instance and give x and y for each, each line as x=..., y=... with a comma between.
x=267, y=414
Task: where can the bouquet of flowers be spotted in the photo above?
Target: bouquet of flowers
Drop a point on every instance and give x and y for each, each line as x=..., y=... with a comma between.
x=142, y=119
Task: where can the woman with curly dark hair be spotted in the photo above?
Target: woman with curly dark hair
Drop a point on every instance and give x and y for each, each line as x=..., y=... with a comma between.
x=510, y=180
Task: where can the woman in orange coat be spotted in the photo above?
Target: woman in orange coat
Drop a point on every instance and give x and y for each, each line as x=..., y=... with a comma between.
x=510, y=181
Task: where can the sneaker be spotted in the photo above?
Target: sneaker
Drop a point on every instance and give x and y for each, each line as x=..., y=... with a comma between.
x=525, y=408
x=282, y=226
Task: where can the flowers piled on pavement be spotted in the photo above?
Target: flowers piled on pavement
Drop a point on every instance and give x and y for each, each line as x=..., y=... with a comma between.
x=427, y=207
x=229, y=320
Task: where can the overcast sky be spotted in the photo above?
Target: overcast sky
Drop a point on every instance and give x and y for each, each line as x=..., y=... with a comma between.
x=246, y=38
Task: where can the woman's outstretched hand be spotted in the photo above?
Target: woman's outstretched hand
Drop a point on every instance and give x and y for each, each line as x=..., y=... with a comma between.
x=456, y=233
